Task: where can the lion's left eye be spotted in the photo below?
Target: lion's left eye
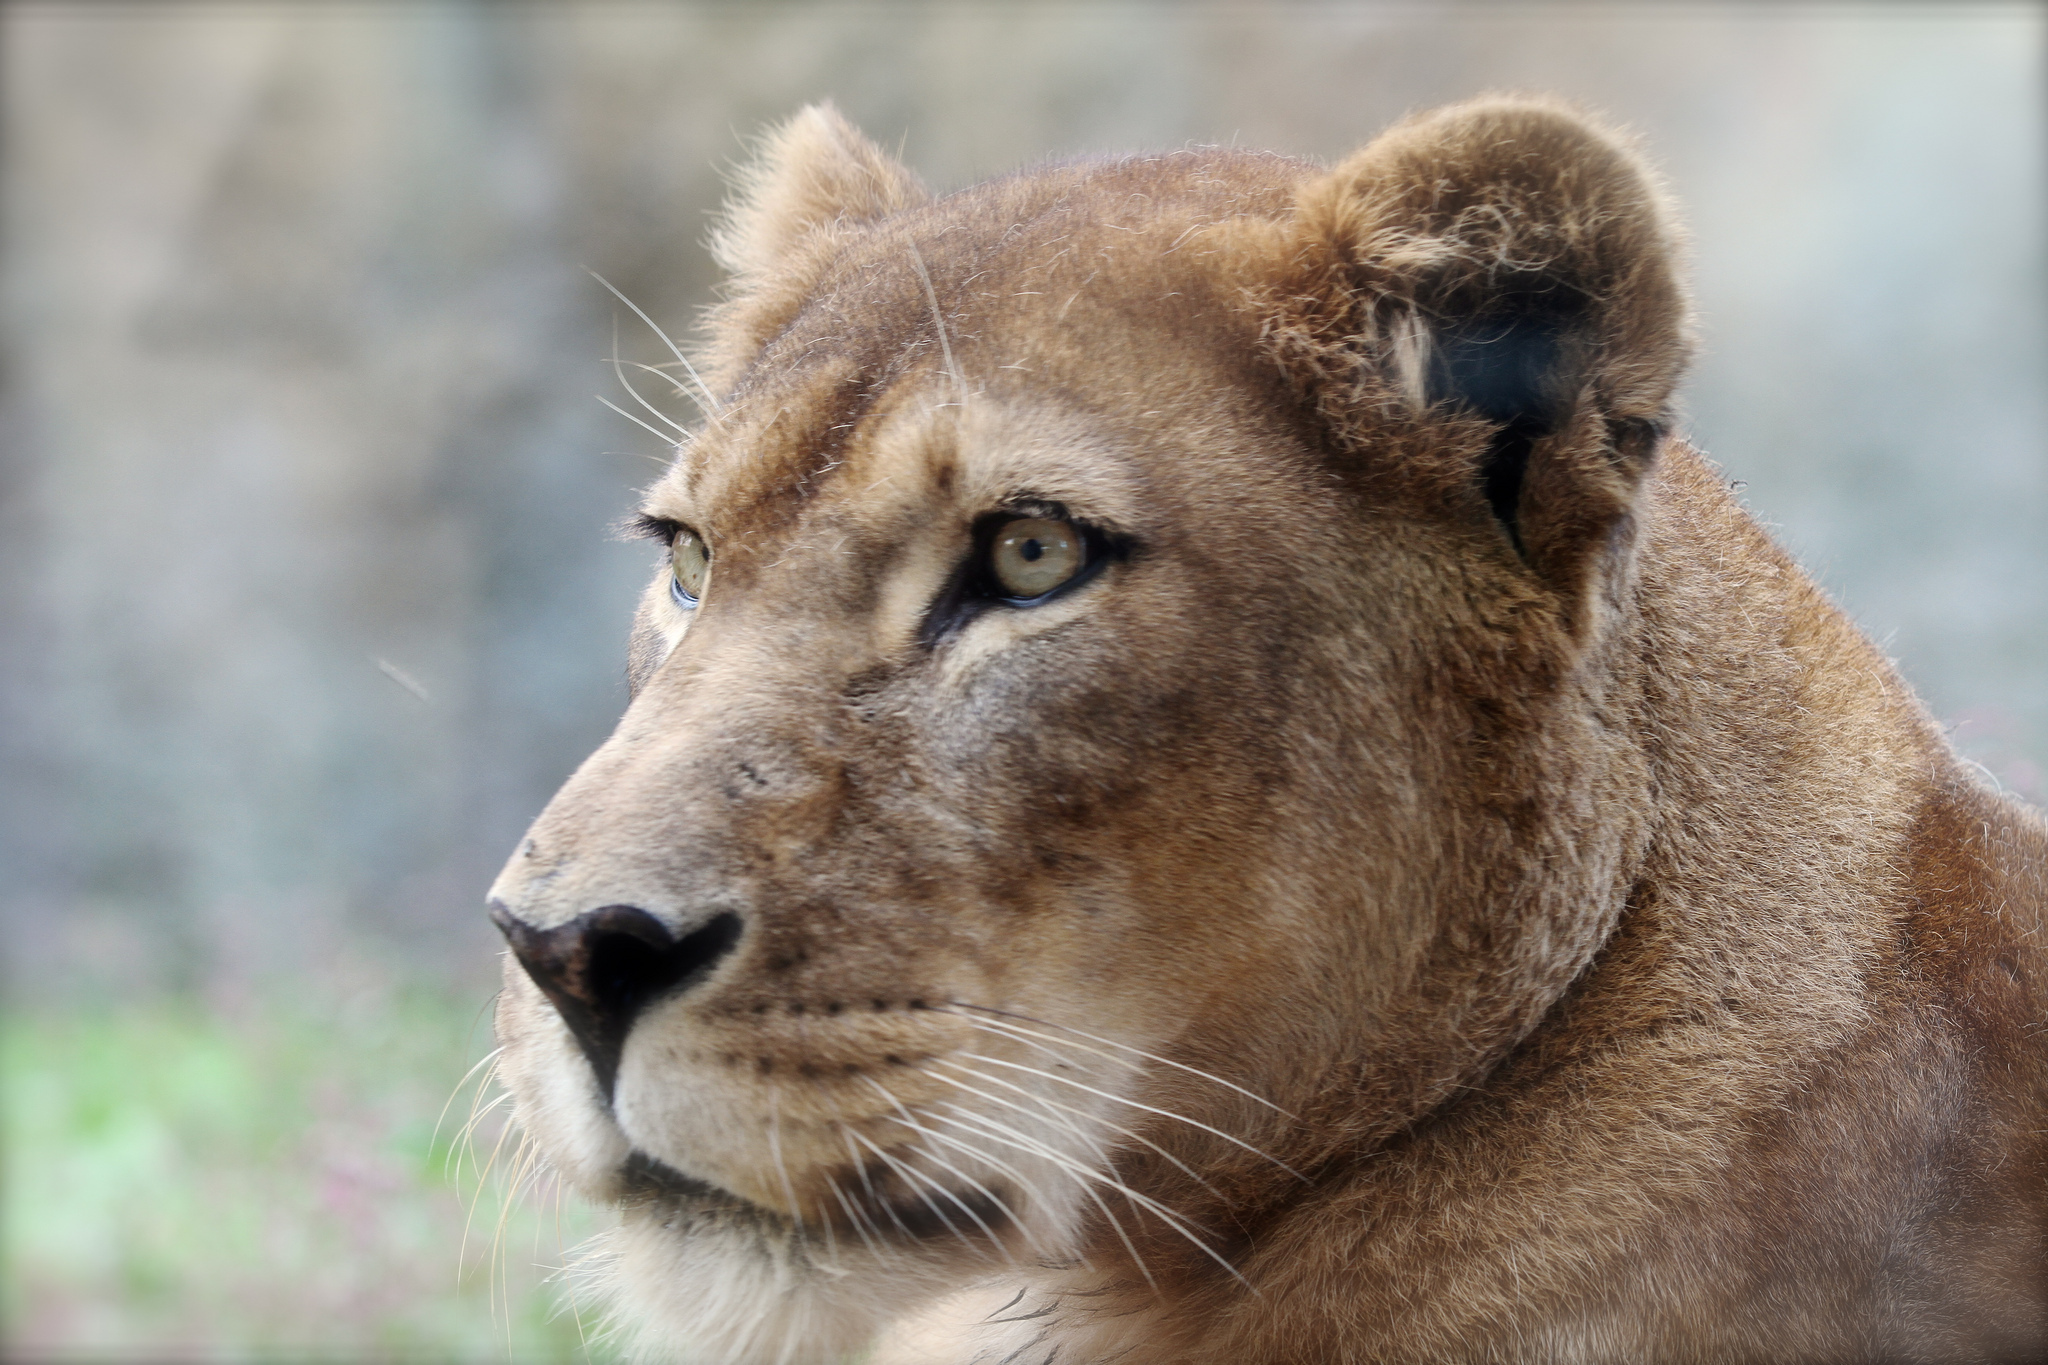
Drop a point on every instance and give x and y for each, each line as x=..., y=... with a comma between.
x=1029, y=557
x=689, y=563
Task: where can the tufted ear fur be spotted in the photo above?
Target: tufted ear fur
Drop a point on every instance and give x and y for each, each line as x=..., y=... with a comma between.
x=1505, y=273
x=810, y=173
x=813, y=177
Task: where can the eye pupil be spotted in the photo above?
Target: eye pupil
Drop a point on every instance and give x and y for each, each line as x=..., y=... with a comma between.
x=1031, y=550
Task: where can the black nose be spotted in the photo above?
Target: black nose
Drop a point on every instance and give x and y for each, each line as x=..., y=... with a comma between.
x=603, y=967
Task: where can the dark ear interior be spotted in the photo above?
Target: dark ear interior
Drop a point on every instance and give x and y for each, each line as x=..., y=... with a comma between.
x=1506, y=260
x=1507, y=369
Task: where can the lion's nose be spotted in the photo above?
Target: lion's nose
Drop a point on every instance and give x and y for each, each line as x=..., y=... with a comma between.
x=606, y=965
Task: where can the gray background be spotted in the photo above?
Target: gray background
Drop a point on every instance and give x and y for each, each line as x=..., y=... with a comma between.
x=300, y=355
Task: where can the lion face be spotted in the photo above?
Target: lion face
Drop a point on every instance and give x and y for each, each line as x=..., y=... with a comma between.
x=1082, y=739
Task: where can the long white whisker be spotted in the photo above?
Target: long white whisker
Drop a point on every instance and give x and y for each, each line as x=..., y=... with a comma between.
x=467, y=1137
x=854, y=1217
x=1095, y=1147
x=939, y=321
x=661, y=436
x=1083, y=1177
x=1150, y=1109
x=619, y=372
x=909, y=1121
x=1000, y=1165
x=1184, y=1168
x=1034, y=1115
x=796, y=1211
x=465, y=1141
x=965, y=1208
x=1150, y=1205
x=487, y=1060
x=1037, y=1115
x=710, y=403
x=469, y=1216
x=860, y=1164
x=661, y=372
x=1126, y=1047
x=913, y=1178
x=969, y=1149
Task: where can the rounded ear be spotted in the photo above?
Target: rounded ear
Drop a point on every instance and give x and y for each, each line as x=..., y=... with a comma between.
x=810, y=173
x=1505, y=262
x=812, y=179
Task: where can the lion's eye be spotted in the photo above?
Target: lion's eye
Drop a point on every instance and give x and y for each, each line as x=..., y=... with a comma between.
x=689, y=564
x=1030, y=557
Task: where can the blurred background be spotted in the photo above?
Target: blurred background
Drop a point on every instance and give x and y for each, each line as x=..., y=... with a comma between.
x=307, y=594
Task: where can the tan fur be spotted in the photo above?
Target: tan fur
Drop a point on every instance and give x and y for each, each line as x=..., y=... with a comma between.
x=1454, y=891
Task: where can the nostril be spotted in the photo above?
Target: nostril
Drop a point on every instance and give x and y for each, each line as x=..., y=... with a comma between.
x=603, y=967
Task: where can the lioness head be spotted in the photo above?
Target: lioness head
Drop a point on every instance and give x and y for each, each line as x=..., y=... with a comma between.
x=1127, y=717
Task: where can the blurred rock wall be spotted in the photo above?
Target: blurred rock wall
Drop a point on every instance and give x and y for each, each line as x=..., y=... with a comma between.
x=306, y=595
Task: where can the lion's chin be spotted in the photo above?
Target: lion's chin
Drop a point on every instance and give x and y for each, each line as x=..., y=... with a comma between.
x=729, y=1281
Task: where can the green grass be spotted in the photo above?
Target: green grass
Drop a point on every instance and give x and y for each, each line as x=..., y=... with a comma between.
x=267, y=1184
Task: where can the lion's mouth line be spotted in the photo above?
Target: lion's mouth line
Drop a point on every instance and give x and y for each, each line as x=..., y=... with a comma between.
x=649, y=1178
x=895, y=1211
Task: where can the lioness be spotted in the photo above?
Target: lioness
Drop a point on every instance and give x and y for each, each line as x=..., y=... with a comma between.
x=1207, y=783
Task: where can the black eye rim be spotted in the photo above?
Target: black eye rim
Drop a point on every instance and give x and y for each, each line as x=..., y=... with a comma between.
x=973, y=587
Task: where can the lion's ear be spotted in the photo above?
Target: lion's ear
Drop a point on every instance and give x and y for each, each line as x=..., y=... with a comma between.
x=1503, y=262
x=811, y=172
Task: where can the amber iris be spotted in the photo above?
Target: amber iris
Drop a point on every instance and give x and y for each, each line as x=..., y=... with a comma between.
x=689, y=565
x=1030, y=557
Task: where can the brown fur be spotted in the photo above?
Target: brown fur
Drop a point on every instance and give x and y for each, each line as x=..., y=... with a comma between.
x=1624, y=968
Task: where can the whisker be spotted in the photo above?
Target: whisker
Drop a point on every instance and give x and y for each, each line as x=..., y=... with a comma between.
x=1081, y=1175
x=1150, y=1109
x=911, y=1177
x=661, y=436
x=710, y=403
x=965, y=1208
x=939, y=321
x=867, y=1182
x=796, y=1211
x=619, y=372
x=969, y=1149
x=854, y=1217
x=1108, y=1163
x=1126, y=1047
x=908, y=1120
x=465, y=1140
x=483, y=1175
x=1150, y=1205
x=486, y=1062
x=1183, y=1167
x=1100, y=1152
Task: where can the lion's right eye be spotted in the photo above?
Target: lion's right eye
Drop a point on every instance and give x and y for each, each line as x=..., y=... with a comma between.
x=1030, y=556
x=689, y=563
